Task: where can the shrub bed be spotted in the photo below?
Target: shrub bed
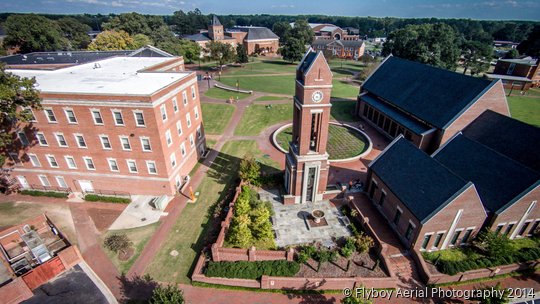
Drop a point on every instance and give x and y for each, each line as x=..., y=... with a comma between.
x=106, y=199
x=252, y=270
x=45, y=193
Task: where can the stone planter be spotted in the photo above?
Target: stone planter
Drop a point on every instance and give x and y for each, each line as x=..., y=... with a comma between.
x=317, y=215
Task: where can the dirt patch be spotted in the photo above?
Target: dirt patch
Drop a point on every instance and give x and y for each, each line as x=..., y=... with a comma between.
x=103, y=218
x=124, y=256
x=361, y=265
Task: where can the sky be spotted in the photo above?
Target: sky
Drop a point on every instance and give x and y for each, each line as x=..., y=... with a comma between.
x=473, y=9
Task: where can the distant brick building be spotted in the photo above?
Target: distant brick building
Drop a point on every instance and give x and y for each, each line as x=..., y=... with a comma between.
x=428, y=105
x=349, y=49
x=124, y=124
x=517, y=74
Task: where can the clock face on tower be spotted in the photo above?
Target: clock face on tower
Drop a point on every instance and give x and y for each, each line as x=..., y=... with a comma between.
x=317, y=96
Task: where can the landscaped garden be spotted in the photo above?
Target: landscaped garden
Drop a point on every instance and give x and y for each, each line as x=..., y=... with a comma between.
x=216, y=117
x=343, y=142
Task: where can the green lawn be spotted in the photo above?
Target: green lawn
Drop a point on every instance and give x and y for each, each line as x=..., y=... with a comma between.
x=344, y=68
x=344, y=90
x=519, y=244
x=456, y=255
x=259, y=117
x=138, y=236
x=526, y=109
x=271, y=98
x=210, y=143
x=190, y=232
x=261, y=67
x=531, y=92
x=218, y=93
x=283, y=84
x=216, y=117
x=343, y=110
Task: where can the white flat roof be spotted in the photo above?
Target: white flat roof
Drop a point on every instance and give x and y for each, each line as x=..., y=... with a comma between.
x=112, y=76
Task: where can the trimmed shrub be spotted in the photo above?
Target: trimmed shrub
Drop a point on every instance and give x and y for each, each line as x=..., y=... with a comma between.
x=45, y=193
x=106, y=199
x=252, y=270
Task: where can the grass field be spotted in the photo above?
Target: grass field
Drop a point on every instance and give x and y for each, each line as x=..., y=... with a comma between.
x=216, y=117
x=191, y=233
x=526, y=109
x=218, y=93
x=261, y=67
x=283, y=84
x=271, y=98
x=259, y=117
x=138, y=236
x=342, y=110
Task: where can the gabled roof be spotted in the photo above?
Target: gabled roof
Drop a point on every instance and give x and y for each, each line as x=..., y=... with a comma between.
x=498, y=179
x=256, y=32
x=421, y=183
x=307, y=61
x=510, y=137
x=215, y=21
x=525, y=61
x=198, y=37
x=431, y=94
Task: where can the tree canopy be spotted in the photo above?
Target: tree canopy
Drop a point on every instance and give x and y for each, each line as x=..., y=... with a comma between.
x=112, y=41
x=76, y=32
x=531, y=45
x=221, y=52
x=33, y=33
x=293, y=50
x=190, y=22
x=475, y=56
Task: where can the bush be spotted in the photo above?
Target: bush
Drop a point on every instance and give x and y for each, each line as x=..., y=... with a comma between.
x=363, y=242
x=349, y=248
x=45, y=193
x=494, y=244
x=106, y=199
x=167, y=295
x=252, y=270
x=117, y=242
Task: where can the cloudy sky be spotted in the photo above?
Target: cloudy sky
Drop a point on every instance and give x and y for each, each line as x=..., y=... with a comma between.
x=475, y=9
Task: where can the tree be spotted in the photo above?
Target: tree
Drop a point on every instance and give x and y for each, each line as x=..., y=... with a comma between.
x=75, y=31
x=493, y=297
x=140, y=40
x=293, y=50
x=282, y=29
x=511, y=54
x=241, y=54
x=494, y=244
x=239, y=234
x=169, y=294
x=434, y=44
x=476, y=56
x=221, y=52
x=16, y=93
x=242, y=204
x=112, y=41
x=131, y=23
x=531, y=45
x=302, y=31
x=117, y=242
x=33, y=33
x=261, y=227
x=249, y=169
x=367, y=70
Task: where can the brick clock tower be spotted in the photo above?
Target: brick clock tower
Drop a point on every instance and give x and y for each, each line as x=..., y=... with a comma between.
x=306, y=168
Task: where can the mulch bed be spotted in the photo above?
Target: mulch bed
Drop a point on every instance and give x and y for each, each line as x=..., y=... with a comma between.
x=361, y=266
x=125, y=256
x=103, y=218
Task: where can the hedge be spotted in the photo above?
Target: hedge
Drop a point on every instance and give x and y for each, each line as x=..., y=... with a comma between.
x=106, y=199
x=521, y=256
x=252, y=270
x=45, y=193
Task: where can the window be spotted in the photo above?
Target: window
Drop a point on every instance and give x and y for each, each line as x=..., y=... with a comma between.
x=44, y=180
x=534, y=227
x=196, y=113
x=61, y=140
x=50, y=115
x=168, y=138
x=466, y=236
x=199, y=133
x=61, y=182
x=173, y=160
x=191, y=140
x=179, y=127
x=438, y=239
x=524, y=228
x=113, y=165
x=52, y=161
x=132, y=166
x=188, y=120
x=70, y=115
x=183, y=149
x=509, y=228
x=70, y=162
x=139, y=119
x=145, y=143
x=381, y=199
x=175, y=105
x=23, y=138
x=373, y=189
x=30, y=112
x=177, y=180
x=499, y=228
x=163, y=111
x=408, y=233
x=89, y=163
x=511, y=69
x=105, y=142
x=80, y=141
x=193, y=95
x=125, y=143
x=96, y=115
x=184, y=97
x=34, y=160
x=151, y=165
x=397, y=216
x=118, y=118
x=425, y=242
x=15, y=158
x=41, y=139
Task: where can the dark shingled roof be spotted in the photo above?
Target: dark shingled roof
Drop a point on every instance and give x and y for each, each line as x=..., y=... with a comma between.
x=255, y=32
x=308, y=60
x=197, y=37
x=215, y=21
x=420, y=182
x=498, y=179
x=431, y=94
x=510, y=137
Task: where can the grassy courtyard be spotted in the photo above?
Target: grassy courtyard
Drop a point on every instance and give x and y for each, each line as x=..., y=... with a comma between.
x=342, y=110
x=259, y=117
x=525, y=108
x=216, y=117
x=191, y=231
x=218, y=93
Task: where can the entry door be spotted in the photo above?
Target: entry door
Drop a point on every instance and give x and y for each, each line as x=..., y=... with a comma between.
x=24, y=183
x=310, y=184
x=86, y=186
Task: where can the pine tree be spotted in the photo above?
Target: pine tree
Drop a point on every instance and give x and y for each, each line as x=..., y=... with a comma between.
x=239, y=234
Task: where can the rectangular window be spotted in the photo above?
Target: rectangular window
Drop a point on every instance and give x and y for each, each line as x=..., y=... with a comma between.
x=455, y=237
x=188, y=120
x=126, y=146
x=29, y=111
x=163, y=111
x=151, y=165
x=509, y=229
x=139, y=119
x=534, y=227
x=113, y=165
x=80, y=141
x=383, y=197
x=438, y=239
x=22, y=137
x=466, y=236
x=132, y=166
x=196, y=113
x=52, y=161
x=173, y=160
x=70, y=115
x=409, y=231
x=145, y=143
x=15, y=158
x=397, y=216
x=199, y=133
x=34, y=160
x=41, y=139
x=105, y=142
x=89, y=163
x=44, y=180
x=61, y=140
x=179, y=127
x=193, y=93
x=191, y=140
x=168, y=138
x=118, y=118
x=524, y=228
x=425, y=242
x=49, y=113
x=175, y=104
x=96, y=115
x=70, y=162
x=184, y=97
x=61, y=182
x=183, y=149
x=499, y=228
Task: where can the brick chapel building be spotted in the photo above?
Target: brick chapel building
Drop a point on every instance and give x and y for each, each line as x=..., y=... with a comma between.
x=517, y=74
x=128, y=124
